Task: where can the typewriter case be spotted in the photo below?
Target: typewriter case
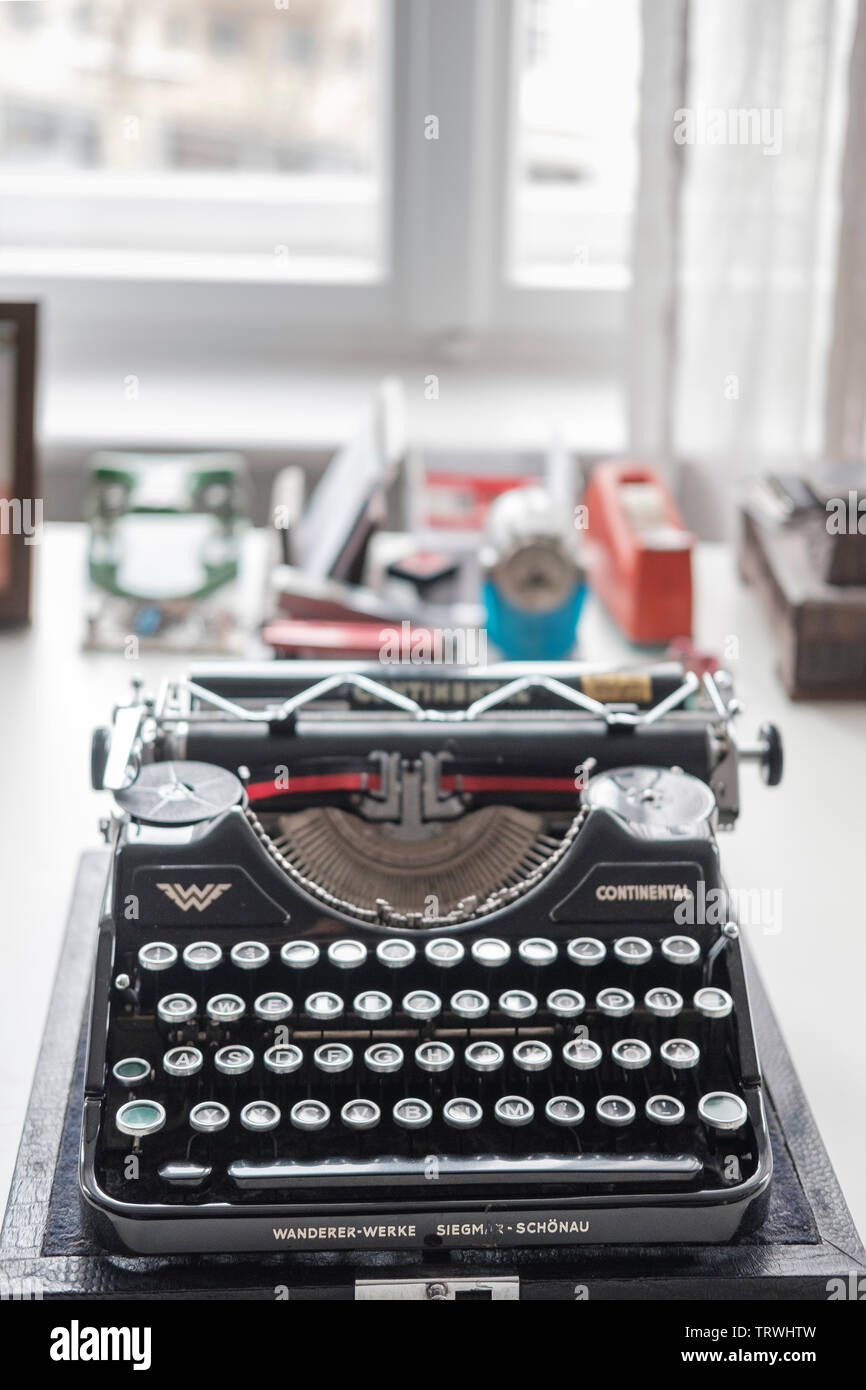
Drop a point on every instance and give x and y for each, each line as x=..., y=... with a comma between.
x=446, y=911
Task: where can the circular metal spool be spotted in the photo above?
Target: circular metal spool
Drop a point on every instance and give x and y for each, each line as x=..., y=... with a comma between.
x=179, y=793
x=658, y=800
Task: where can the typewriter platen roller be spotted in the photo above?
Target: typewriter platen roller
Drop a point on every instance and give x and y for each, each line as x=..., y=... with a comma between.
x=400, y=959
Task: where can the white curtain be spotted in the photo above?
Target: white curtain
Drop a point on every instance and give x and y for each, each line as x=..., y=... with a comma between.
x=762, y=129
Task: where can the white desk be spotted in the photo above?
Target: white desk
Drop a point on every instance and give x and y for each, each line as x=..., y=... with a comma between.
x=804, y=840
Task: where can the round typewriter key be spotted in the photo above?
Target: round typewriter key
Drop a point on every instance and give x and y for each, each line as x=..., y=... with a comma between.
x=411, y=1113
x=514, y=1111
x=665, y=1110
x=225, y=1008
x=233, y=1060
x=202, y=955
x=372, y=1004
x=209, y=1117
x=537, y=950
x=581, y=1054
x=632, y=950
x=564, y=1111
x=484, y=1056
x=713, y=1003
x=333, y=1057
x=176, y=1008
x=300, y=955
x=462, y=1113
x=310, y=1115
x=444, y=951
x=131, y=1071
x=273, y=1007
x=664, y=1003
x=615, y=1111
x=347, y=955
x=434, y=1056
x=681, y=950
x=680, y=1053
x=422, y=1004
x=360, y=1114
x=324, y=1006
x=140, y=1117
x=631, y=1053
x=183, y=1061
x=586, y=950
x=490, y=951
x=532, y=1055
x=395, y=953
x=614, y=1003
x=566, y=1003
x=157, y=955
x=260, y=1116
x=283, y=1060
x=469, y=1003
x=249, y=955
x=518, y=1003
x=384, y=1058
x=722, y=1110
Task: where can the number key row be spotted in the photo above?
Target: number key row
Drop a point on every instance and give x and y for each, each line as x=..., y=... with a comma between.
x=396, y=953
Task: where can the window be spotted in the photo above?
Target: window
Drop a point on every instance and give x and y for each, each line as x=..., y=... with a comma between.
x=575, y=169
x=151, y=101
x=424, y=172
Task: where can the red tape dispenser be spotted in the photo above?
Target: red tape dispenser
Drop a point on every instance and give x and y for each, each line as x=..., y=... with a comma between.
x=638, y=552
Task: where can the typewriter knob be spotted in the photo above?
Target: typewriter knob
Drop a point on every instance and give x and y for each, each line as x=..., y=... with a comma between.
x=99, y=745
x=773, y=760
x=767, y=752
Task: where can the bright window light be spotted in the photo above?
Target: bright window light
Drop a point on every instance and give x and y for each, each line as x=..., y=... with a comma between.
x=196, y=104
x=575, y=168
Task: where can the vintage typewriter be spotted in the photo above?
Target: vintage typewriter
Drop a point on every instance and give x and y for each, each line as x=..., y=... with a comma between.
x=401, y=957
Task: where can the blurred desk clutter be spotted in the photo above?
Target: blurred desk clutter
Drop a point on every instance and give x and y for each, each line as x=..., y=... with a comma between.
x=803, y=548
x=400, y=552
x=164, y=550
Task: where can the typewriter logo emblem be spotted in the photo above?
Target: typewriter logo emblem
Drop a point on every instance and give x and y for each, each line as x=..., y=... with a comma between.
x=199, y=897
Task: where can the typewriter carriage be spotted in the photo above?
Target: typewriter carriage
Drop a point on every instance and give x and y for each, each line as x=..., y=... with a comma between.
x=344, y=769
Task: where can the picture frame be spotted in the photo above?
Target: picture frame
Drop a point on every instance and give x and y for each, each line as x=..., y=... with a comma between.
x=20, y=508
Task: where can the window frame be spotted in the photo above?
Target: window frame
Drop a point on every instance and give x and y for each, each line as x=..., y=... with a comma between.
x=443, y=287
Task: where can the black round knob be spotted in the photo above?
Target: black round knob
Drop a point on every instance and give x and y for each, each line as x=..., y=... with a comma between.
x=99, y=746
x=773, y=760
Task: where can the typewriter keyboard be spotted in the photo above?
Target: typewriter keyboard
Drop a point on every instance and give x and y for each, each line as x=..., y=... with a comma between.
x=282, y=1069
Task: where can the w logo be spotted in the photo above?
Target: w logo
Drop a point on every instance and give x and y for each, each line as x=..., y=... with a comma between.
x=193, y=896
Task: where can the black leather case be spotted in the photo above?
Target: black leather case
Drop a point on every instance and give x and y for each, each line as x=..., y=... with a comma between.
x=807, y=1239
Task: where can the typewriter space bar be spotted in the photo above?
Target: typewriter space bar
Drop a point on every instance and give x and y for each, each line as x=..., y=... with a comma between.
x=636, y=1169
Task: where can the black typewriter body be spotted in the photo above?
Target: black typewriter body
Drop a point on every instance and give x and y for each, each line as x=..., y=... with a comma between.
x=309, y=1032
